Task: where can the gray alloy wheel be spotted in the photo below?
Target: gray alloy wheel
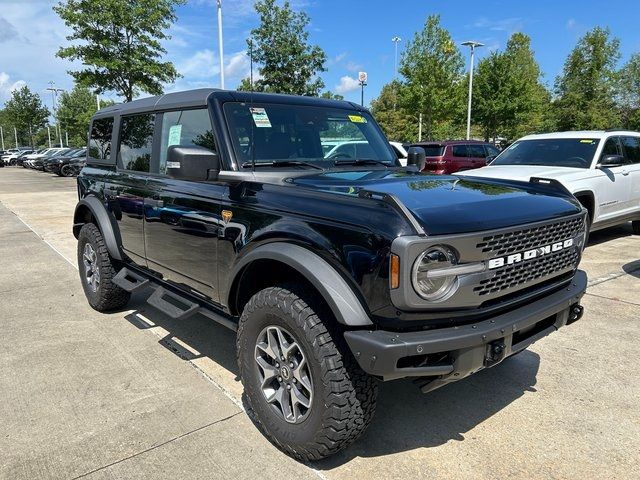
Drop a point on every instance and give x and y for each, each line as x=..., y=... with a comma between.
x=91, y=267
x=284, y=373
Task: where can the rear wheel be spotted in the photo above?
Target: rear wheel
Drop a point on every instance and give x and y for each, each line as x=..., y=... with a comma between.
x=97, y=270
x=66, y=171
x=304, y=389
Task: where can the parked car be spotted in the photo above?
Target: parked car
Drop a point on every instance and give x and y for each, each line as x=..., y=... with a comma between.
x=401, y=152
x=601, y=168
x=38, y=162
x=334, y=272
x=54, y=164
x=73, y=168
x=11, y=158
x=456, y=155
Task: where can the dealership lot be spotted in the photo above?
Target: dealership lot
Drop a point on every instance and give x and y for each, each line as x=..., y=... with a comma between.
x=135, y=394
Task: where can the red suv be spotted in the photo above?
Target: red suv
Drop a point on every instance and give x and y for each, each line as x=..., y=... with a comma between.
x=453, y=156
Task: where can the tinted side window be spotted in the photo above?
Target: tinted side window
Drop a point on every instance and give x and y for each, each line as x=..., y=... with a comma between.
x=610, y=148
x=460, y=151
x=492, y=151
x=631, y=149
x=185, y=128
x=136, y=139
x=100, y=139
x=476, y=151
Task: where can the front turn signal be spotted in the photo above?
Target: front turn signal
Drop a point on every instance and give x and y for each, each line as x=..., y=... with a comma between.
x=394, y=271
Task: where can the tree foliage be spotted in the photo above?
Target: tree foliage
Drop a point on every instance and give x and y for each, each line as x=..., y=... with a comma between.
x=628, y=93
x=585, y=89
x=25, y=111
x=119, y=44
x=395, y=121
x=509, y=99
x=75, y=111
x=433, y=69
x=287, y=62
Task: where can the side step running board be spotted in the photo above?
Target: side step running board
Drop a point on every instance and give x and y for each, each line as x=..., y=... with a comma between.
x=130, y=281
x=172, y=305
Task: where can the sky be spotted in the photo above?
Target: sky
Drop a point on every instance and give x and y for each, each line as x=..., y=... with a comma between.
x=355, y=34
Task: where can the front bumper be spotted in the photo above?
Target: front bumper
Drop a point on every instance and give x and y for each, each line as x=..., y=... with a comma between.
x=446, y=355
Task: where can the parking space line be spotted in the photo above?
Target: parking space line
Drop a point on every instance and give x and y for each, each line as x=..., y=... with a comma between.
x=612, y=299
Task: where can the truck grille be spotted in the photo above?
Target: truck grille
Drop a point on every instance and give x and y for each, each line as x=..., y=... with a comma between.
x=520, y=240
x=529, y=271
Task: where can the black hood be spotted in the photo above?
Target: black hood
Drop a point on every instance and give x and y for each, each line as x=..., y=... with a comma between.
x=450, y=205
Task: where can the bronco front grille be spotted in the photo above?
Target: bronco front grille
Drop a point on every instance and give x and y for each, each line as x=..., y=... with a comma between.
x=501, y=244
x=529, y=271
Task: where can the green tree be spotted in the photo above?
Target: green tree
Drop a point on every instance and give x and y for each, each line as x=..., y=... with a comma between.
x=119, y=44
x=396, y=122
x=74, y=113
x=25, y=111
x=628, y=93
x=585, y=89
x=287, y=62
x=332, y=96
x=433, y=68
x=509, y=98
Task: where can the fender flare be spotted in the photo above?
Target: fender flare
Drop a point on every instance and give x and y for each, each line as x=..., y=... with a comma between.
x=590, y=194
x=338, y=294
x=104, y=223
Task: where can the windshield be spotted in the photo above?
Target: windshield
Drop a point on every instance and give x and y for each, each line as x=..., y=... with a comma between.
x=553, y=152
x=307, y=134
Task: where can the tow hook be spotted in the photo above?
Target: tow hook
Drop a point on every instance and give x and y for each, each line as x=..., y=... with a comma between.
x=495, y=353
x=575, y=313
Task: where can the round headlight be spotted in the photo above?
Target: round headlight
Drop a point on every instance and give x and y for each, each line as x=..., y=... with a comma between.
x=433, y=287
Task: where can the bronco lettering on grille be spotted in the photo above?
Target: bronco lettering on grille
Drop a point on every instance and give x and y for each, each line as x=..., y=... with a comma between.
x=529, y=254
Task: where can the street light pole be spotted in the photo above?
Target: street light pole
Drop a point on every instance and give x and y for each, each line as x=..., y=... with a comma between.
x=54, y=91
x=395, y=40
x=2, y=136
x=15, y=135
x=472, y=46
x=220, y=44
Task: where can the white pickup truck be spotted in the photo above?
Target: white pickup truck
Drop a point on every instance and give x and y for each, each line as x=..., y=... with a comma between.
x=601, y=168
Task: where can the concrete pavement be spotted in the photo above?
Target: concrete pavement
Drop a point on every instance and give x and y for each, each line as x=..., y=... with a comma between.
x=138, y=395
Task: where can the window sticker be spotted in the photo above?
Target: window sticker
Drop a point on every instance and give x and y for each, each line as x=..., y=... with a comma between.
x=357, y=119
x=589, y=141
x=175, y=133
x=260, y=117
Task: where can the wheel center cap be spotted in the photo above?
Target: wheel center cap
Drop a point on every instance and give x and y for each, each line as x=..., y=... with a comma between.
x=285, y=372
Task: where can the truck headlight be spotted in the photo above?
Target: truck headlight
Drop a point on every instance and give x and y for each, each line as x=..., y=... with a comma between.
x=429, y=276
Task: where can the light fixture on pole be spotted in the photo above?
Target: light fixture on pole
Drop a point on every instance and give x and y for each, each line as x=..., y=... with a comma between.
x=220, y=44
x=472, y=46
x=54, y=92
x=395, y=40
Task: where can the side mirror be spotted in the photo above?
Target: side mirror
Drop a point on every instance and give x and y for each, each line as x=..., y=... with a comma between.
x=192, y=163
x=417, y=156
x=609, y=161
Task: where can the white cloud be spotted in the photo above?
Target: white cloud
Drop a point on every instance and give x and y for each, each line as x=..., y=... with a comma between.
x=7, y=86
x=7, y=30
x=353, y=66
x=510, y=25
x=202, y=64
x=347, y=84
x=237, y=65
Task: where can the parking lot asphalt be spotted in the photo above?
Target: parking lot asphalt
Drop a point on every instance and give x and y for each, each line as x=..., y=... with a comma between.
x=135, y=394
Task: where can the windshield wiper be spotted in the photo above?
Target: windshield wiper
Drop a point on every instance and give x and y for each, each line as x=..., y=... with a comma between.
x=282, y=163
x=360, y=161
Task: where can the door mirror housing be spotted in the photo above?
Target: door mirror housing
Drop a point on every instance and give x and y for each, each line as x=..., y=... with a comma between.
x=192, y=163
x=416, y=156
x=609, y=161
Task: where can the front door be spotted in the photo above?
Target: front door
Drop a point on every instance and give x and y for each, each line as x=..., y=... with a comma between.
x=631, y=148
x=613, y=185
x=183, y=218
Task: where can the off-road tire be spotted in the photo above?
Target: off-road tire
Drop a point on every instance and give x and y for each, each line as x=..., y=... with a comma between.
x=635, y=225
x=344, y=396
x=108, y=295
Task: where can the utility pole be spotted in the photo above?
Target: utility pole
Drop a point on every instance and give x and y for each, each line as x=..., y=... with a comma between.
x=66, y=134
x=420, y=128
x=15, y=135
x=49, y=134
x=395, y=40
x=472, y=46
x=54, y=92
x=220, y=44
x=98, y=100
x=2, y=136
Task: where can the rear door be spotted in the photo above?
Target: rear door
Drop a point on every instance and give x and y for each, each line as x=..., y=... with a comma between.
x=477, y=155
x=631, y=148
x=460, y=154
x=183, y=218
x=126, y=190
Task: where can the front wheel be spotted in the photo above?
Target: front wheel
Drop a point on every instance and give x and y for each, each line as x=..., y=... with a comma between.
x=304, y=389
x=97, y=270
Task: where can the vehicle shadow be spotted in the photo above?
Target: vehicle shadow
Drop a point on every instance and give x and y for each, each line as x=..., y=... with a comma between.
x=632, y=268
x=604, y=235
x=406, y=419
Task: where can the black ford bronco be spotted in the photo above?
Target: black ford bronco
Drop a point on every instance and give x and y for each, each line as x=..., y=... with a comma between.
x=290, y=220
